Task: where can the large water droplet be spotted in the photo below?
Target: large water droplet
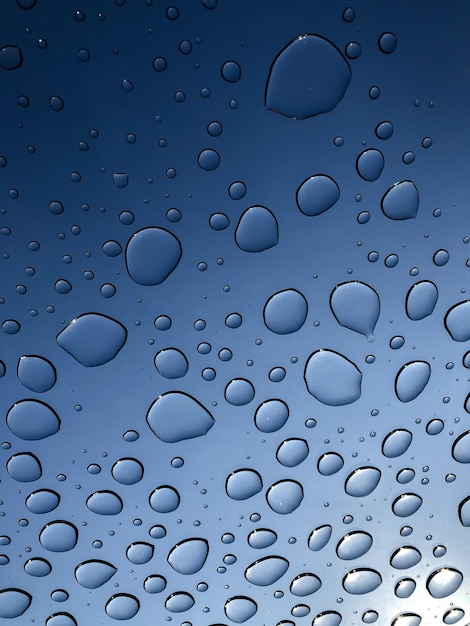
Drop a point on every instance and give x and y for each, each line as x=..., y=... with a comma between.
x=127, y=471
x=24, y=467
x=139, y=552
x=407, y=619
x=37, y=567
x=332, y=378
x=370, y=164
x=271, y=415
x=405, y=588
x=319, y=537
x=292, y=452
x=122, y=606
x=92, y=339
x=58, y=536
x=42, y=501
x=401, y=201
x=461, y=448
x=257, y=230
x=239, y=392
x=243, y=484
x=13, y=602
x=188, y=556
x=179, y=602
x=317, y=194
x=396, y=443
x=406, y=504
x=36, y=373
x=164, y=499
x=239, y=609
x=92, y=574
x=104, y=503
x=285, y=496
x=457, y=321
x=305, y=584
x=261, y=538
x=452, y=616
x=411, y=380
x=421, y=300
x=330, y=463
x=353, y=545
x=151, y=255
x=327, y=618
x=285, y=312
x=32, y=420
x=356, y=305
x=171, y=363
x=405, y=557
x=309, y=76
x=443, y=582
x=266, y=571
x=175, y=416
x=362, y=481
x=363, y=580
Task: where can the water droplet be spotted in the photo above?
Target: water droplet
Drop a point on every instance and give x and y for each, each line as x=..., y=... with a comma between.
x=139, y=552
x=11, y=327
x=24, y=467
x=443, y=582
x=354, y=545
x=434, y=426
x=369, y=164
x=37, y=567
x=396, y=443
x=317, y=194
x=231, y=71
x=162, y=322
x=130, y=435
x=406, y=504
x=32, y=420
x=271, y=415
x=239, y=392
x=356, y=306
x=266, y=571
x=122, y=606
x=401, y=201
x=239, y=609
x=42, y=501
x=13, y=602
x=363, y=580
x=179, y=602
x=208, y=160
x=457, y=321
x=154, y=584
x=464, y=512
x=61, y=619
x=387, y=43
x=292, y=452
x=308, y=77
x=330, y=463
x=370, y=617
x=411, y=380
x=104, y=503
x=397, y=342
x=58, y=536
x=332, y=378
x=405, y=557
x=285, y=311
x=243, y=484
x=11, y=57
x=384, y=130
x=151, y=255
x=127, y=471
x=285, y=496
x=421, y=300
x=36, y=373
x=188, y=556
x=327, y=618
x=362, y=481
x=164, y=499
x=305, y=584
x=452, y=616
x=171, y=363
x=257, y=230
x=353, y=50
x=319, y=537
x=92, y=574
x=175, y=416
x=405, y=588
x=261, y=538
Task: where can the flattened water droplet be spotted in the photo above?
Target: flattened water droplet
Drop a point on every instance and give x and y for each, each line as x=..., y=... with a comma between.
x=405, y=557
x=175, y=416
x=261, y=538
x=292, y=452
x=285, y=311
x=36, y=373
x=319, y=537
x=179, y=602
x=239, y=609
x=369, y=164
x=421, y=300
x=151, y=255
x=266, y=571
x=405, y=588
x=171, y=363
x=13, y=602
x=257, y=230
x=356, y=306
x=58, y=536
x=327, y=618
x=308, y=77
x=271, y=415
x=452, y=616
x=243, y=484
x=457, y=321
x=461, y=448
x=42, y=501
x=92, y=574
x=92, y=339
x=407, y=619
x=37, y=567
x=411, y=380
x=305, y=584
x=32, y=420
x=443, y=582
x=164, y=499
x=330, y=463
x=353, y=545
x=363, y=580
x=406, y=504
x=122, y=606
x=317, y=194
x=104, y=503
x=332, y=378
x=401, y=201
x=239, y=392
x=24, y=467
x=362, y=481
x=285, y=496
x=396, y=443
x=188, y=556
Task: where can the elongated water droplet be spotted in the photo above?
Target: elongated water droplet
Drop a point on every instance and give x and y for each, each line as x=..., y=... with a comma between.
x=188, y=556
x=243, y=484
x=266, y=571
x=369, y=164
x=151, y=255
x=122, y=606
x=257, y=230
x=332, y=378
x=239, y=609
x=285, y=312
x=362, y=481
x=353, y=545
x=94, y=573
x=261, y=538
x=104, y=503
x=42, y=501
x=32, y=420
x=411, y=380
x=356, y=305
x=36, y=373
x=407, y=619
x=327, y=618
x=401, y=201
x=406, y=504
x=443, y=582
x=319, y=537
x=396, y=443
x=363, y=580
x=305, y=584
x=14, y=602
x=317, y=194
x=457, y=321
x=140, y=552
x=405, y=557
x=421, y=300
x=175, y=416
x=285, y=496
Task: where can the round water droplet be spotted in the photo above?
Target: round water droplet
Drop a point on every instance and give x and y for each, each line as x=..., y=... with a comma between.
x=434, y=426
x=175, y=416
x=122, y=606
x=292, y=452
x=266, y=571
x=188, y=556
x=405, y=557
x=327, y=618
x=354, y=545
x=36, y=373
x=362, y=481
x=257, y=230
x=443, y=582
x=179, y=602
x=243, y=484
x=369, y=164
x=92, y=574
x=127, y=471
x=239, y=609
x=406, y=504
x=171, y=363
x=440, y=258
x=24, y=467
x=285, y=312
x=332, y=378
x=363, y=580
x=317, y=194
x=219, y=221
x=58, y=536
x=319, y=537
x=61, y=619
x=285, y=496
x=411, y=380
x=330, y=463
x=56, y=207
x=11, y=57
x=13, y=602
x=421, y=300
x=32, y=420
x=356, y=306
x=353, y=50
x=164, y=499
x=457, y=321
x=405, y=588
x=37, y=567
x=11, y=327
x=308, y=77
x=208, y=160
x=439, y=551
x=387, y=43
x=271, y=415
x=305, y=584
x=231, y=71
x=452, y=616
x=370, y=617
x=151, y=255
x=239, y=392
x=237, y=190
x=139, y=552
x=396, y=443
x=104, y=503
x=154, y=584
x=261, y=538
x=401, y=201
x=42, y=501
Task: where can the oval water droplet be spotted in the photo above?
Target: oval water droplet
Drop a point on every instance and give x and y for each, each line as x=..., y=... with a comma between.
x=92, y=339
x=407, y=619
x=434, y=426
x=308, y=77
x=36, y=373
x=461, y=448
x=32, y=420
x=319, y=537
x=14, y=602
x=42, y=501
x=243, y=484
x=457, y=321
x=257, y=230
x=127, y=471
x=154, y=584
x=421, y=300
x=266, y=571
x=239, y=392
x=239, y=609
x=362, y=580
x=175, y=416
x=330, y=463
x=406, y=504
x=261, y=538
x=24, y=467
x=139, y=552
x=171, y=363
x=411, y=380
x=285, y=496
x=94, y=573
x=61, y=619
x=188, y=556
x=285, y=312
x=444, y=581
x=369, y=164
x=122, y=606
x=58, y=536
x=37, y=567
x=317, y=194
x=292, y=452
x=370, y=617
x=179, y=602
x=353, y=545
x=405, y=588
x=151, y=255
x=356, y=306
x=405, y=557
x=305, y=584
x=164, y=499
x=104, y=503
x=396, y=443
x=332, y=378
x=401, y=201
x=327, y=618
x=452, y=616
x=362, y=481
x=464, y=511
x=271, y=415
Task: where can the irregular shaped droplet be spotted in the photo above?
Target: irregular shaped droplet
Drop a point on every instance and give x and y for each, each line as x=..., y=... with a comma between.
x=405, y=588
x=356, y=306
x=243, y=484
x=421, y=300
x=37, y=567
x=257, y=230
x=285, y=312
x=239, y=609
x=362, y=481
x=179, y=602
x=396, y=443
x=94, y=573
x=353, y=545
x=327, y=618
x=405, y=557
x=11, y=57
x=127, y=471
x=330, y=463
x=369, y=164
x=317, y=194
x=92, y=339
x=457, y=321
x=401, y=201
x=271, y=415
x=261, y=538
x=42, y=501
x=239, y=392
x=444, y=581
x=411, y=380
x=285, y=496
x=58, y=536
x=188, y=556
x=104, y=503
x=139, y=552
x=407, y=619
x=32, y=420
x=362, y=580
x=406, y=504
x=332, y=378
x=122, y=606
x=175, y=416
x=24, y=467
x=308, y=77
x=452, y=616
x=319, y=537
x=266, y=571
x=171, y=363
x=36, y=373
x=164, y=499
x=305, y=584
x=14, y=602
x=151, y=255
x=292, y=452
